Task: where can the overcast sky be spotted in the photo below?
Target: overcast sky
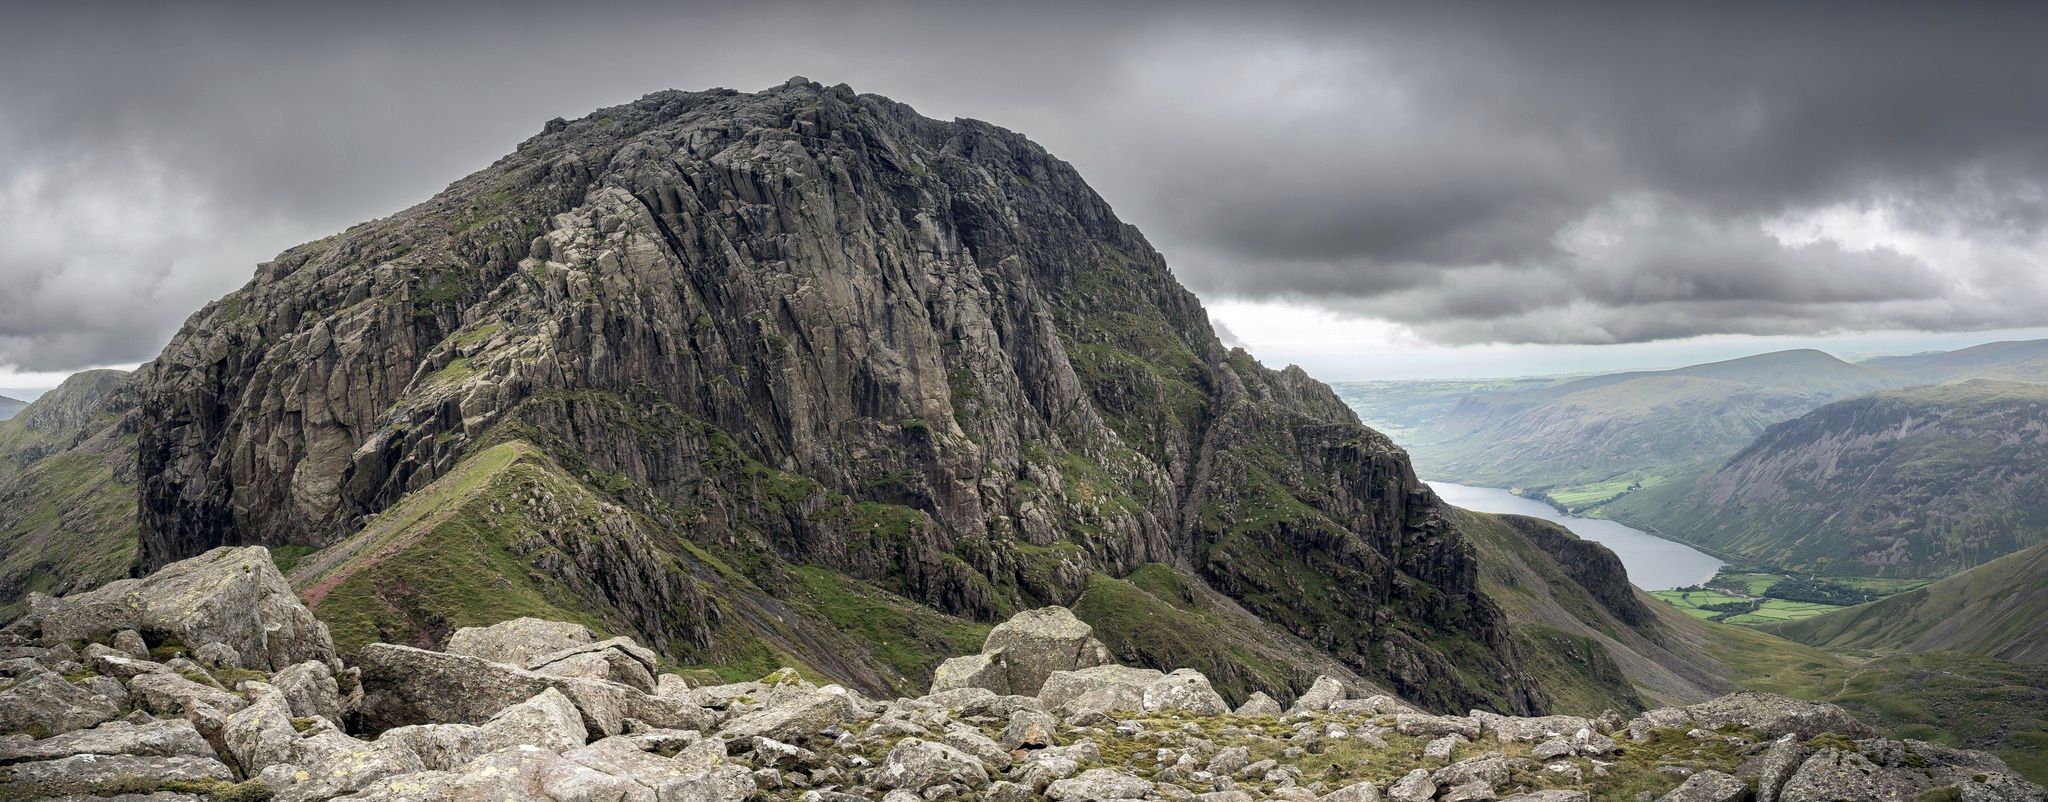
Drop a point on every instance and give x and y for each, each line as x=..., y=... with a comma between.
x=1402, y=191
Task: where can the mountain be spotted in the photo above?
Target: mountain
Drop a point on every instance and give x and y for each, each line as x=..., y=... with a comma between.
x=10, y=407
x=1625, y=428
x=1999, y=609
x=2024, y=360
x=67, y=488
x=800, y=377
x=1918, y=482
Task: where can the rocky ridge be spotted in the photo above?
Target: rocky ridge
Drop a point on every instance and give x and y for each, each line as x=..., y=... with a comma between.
x=105, y=695
x=787, y=342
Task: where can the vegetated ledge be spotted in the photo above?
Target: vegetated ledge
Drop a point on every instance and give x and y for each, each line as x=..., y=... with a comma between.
x=106, y=693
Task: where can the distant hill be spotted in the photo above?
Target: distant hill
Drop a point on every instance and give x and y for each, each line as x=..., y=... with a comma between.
x=1917, y=482
x=1999, y=609
x=1633, y=425
x=2024, y=360
x=67, y=488
x=9, y=407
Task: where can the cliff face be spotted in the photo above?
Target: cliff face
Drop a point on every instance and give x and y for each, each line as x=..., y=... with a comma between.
x=809, y=328
x=1920, y=482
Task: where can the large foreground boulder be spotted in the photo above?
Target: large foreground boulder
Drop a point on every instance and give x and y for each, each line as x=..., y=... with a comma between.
x=403, y=685
x=518, y=641
x=1022, y=652
x=234, y=597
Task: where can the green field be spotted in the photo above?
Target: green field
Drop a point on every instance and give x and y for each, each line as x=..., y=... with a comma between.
x=1692, y=601
x=1583, y=499
x=1777, y=611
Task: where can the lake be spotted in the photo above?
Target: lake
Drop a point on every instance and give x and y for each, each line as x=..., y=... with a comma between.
x=1653, y=563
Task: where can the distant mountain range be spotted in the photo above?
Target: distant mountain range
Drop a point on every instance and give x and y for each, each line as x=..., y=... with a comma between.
x=1916, y=482
x=9, y=407
x=1629, y=426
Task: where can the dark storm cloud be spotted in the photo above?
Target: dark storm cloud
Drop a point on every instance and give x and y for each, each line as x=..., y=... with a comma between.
x=1546, y=174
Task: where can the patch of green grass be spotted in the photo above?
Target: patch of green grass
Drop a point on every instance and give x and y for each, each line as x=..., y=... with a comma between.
x=287, y=557
x=910, y=638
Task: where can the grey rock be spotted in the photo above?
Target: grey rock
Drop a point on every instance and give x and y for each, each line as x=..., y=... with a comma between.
x=916, y=765
x=169, y=694
x=1258, y=704
x=1833, y=774
x=1708, y=786
x=1100, y=689
x=1355, y=792
x=1772, y=715
x=217, y=655
x=130, y=643
x=796, y=720
x=1771, y=769
x=1426, y=725
x=1554, y=795
x=1185, y=690
x=160, y=738
x=519, y=641
x=1442, y=748
x=403, y=685
x=1099, y=784
x=310, y=689
x=1416, y=786
x=1319, y=695
x=93, y=774
x=1029, y=729
x=1469, y=791
x=619, y=660
x=1516, y=729
x=41, y=703
x=231, y=596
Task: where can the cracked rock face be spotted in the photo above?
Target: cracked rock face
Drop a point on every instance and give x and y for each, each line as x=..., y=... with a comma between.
x=814, y=328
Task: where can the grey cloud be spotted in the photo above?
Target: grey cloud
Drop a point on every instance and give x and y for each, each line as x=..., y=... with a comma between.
x=1424, y=163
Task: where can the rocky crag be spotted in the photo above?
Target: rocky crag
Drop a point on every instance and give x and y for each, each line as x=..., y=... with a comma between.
x=714, y=368
x=209, y=680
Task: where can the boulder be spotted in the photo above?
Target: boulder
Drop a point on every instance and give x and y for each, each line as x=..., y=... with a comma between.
x=796, y=720
x=93, y=774
x=519, y=641
x=1185, y=690
x=1708, y=786
x=619, y=660
x=1426, y=725
x=915, y=765
x=1443, y=748
x=231, y=596
x=987, y=672
x=1770, y=770
x=159, y=738
x=130, y=643
x=1834, y=774
x=1099, y=784
x=310, y=689
x=529, y=774
x=1259, y=704
x=1029, y=729
x=41, y=703
x=403, y=685
x=1035, y=643
x=1355, y=792
x=169, y=694
x=1416, y=786
x=1771, y=715
x=1517, y=729
x=1319, y=695
x=1554, y=795
x=1097, y=690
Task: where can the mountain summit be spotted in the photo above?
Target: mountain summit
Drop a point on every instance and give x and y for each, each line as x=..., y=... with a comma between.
x=799, y=375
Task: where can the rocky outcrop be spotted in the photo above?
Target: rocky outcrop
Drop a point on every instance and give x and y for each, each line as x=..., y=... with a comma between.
x=1022, y=652
x=231, y=599
x=478, y=729
x=806, y=327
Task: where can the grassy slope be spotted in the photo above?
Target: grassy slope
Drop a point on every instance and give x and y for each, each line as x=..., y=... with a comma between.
x=1576, y=636
x=1919, y=482
x=67, y=502
x=1957, y=699
x=1999, y=609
